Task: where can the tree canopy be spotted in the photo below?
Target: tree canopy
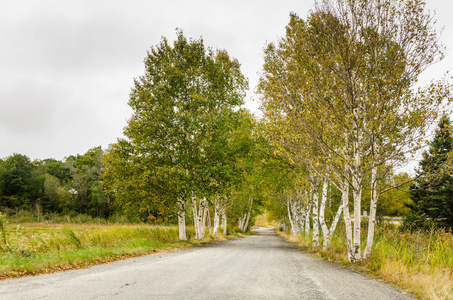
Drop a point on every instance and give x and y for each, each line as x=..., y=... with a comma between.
x=340, y=96
x=184, y=110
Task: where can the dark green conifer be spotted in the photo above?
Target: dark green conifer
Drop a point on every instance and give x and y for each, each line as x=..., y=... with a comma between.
x=432, y=195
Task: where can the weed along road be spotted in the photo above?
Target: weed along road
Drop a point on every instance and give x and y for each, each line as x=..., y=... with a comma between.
x=262, y=266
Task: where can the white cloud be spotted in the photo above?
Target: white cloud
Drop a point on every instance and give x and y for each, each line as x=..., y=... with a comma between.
x=67, y=66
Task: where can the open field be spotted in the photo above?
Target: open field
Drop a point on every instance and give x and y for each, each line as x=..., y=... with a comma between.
x=36, y=248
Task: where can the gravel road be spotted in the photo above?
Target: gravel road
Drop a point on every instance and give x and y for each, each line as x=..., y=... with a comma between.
x=261, y=266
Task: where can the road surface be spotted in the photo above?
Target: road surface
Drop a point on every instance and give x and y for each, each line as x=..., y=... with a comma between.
x=261, y=266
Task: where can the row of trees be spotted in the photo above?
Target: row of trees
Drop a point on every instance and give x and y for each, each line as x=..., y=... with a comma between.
x=341, y=109
x=342, y=103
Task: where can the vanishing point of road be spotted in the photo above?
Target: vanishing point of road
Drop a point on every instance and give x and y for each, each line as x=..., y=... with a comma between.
x=261, y=266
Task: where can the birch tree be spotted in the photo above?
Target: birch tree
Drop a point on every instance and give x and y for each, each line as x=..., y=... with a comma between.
x=384, y=47
x=282, y=90
x=353, y=68
x=186, y=87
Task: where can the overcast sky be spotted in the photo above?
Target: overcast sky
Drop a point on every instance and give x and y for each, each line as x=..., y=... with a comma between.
x=67, y=67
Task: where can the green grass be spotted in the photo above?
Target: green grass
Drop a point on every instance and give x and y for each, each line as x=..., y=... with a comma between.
x=420, y=263
x=37, y=248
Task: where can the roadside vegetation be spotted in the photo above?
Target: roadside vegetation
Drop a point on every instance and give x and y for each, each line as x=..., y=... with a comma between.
x=38, y=248
x=418, y=262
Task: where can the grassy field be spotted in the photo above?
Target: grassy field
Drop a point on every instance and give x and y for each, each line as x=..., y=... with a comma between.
x=37, y=248
x=420, y=263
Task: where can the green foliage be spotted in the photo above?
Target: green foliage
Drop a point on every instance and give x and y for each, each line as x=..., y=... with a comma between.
x=52, y=186
x=341, y=99
x=185, y=110
x=17, y=183
x=85, y=170
x=432, y=194
x=54, y=168
x=392, y=202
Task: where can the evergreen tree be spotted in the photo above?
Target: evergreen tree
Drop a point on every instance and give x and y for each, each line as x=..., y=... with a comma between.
x=432, y=195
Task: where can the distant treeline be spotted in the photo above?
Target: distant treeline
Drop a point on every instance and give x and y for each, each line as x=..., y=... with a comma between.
x=71, y=186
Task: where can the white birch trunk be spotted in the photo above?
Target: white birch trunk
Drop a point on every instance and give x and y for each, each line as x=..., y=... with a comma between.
x=248, y=214
x=224, y=221
x=326, y=231
x=315, y=214
x=246, y=224
x=240, y=222
x=357, y=194
x=199, y=219
x=182, y=219
x=346, y=215
x=322, y=220
x=298, y=217
x=298, y=212
x=288, y=206
x=195, y=215
x=303, y=217
x=243, y=221
x=203, y=207
x=208, y=218
x=333, y=226
x=307, y=220
x=356, y=188
x=202, y=216
x=305, y=207
x=216, y=218
x=372, y=217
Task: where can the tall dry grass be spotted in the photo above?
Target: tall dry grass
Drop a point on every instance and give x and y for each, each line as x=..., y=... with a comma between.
x=420, y=263
x=44, y=248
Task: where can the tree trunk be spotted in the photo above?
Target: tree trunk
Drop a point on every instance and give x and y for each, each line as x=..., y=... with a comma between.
x=247, y=220
x=291, y=222
x=195, y=215
x=224, y=221
x=322, y=220
x=208, y=218
x=204, y=209
x=240, y=222
x=356, y=186
x=346, y=215
x=182, y=219
x=299, y=212
x=243, y=221
x=307, y=219
x=315, y=213
x=357, y=194
x=198, y=217
x=246, y=224
x=326, y=231
x=216, y=218
x=372, y=217
x=333, y=226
